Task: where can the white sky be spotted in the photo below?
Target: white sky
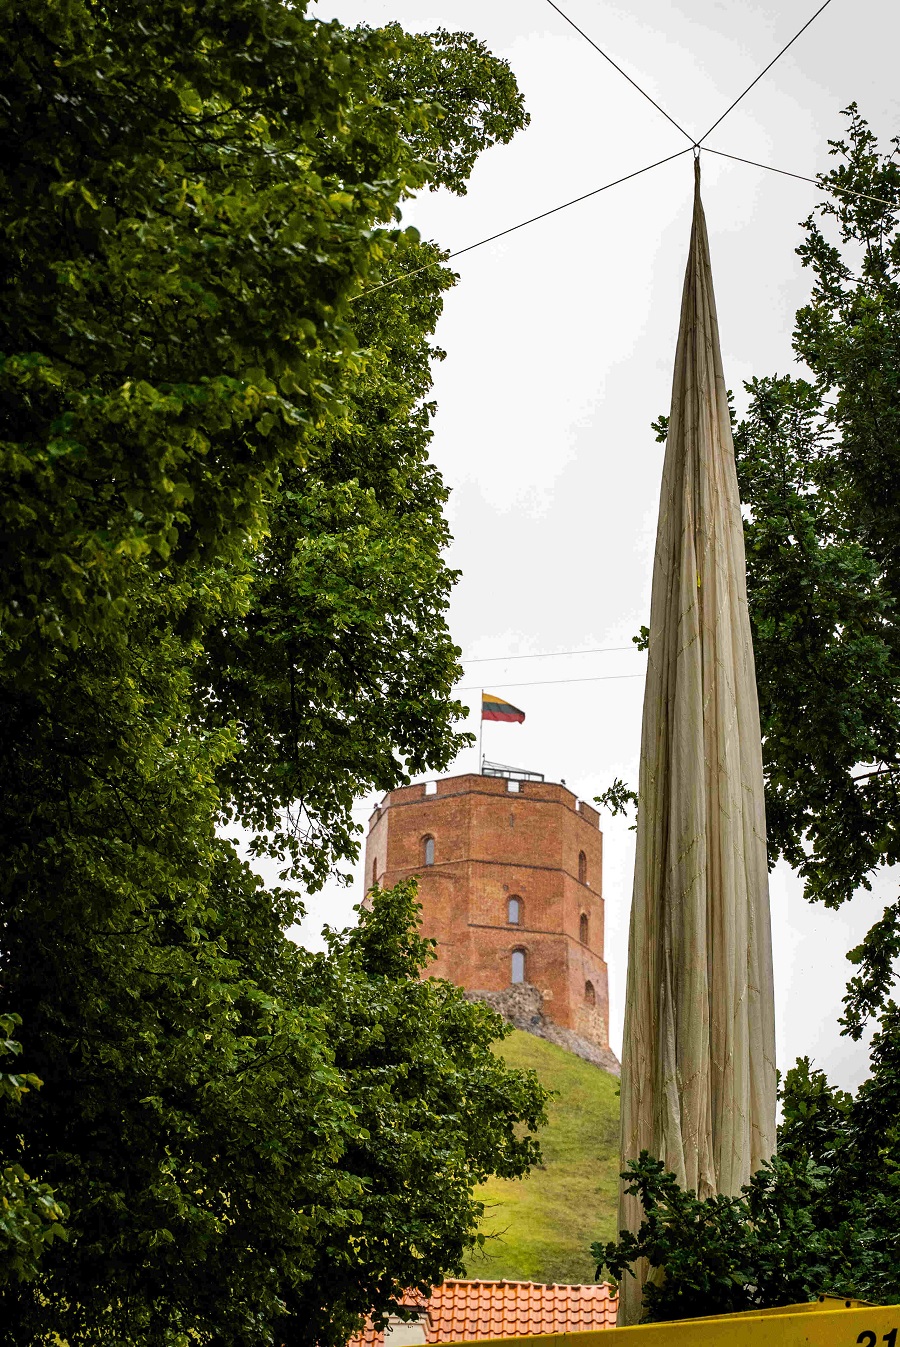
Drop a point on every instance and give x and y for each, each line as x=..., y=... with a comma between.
x=560, y=342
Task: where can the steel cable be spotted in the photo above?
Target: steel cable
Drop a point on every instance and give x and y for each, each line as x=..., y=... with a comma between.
x=765, y=69
x=634, y=84
x=439, y=262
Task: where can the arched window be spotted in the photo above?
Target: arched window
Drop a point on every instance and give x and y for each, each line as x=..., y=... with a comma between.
x=583, y=928
x=582, y=868
x=590, y=995
x=374, y=871
x=429, y=850
x=518, y=965
x=514, y=911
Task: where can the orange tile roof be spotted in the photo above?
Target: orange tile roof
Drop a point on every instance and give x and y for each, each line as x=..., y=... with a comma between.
x=460, y=1311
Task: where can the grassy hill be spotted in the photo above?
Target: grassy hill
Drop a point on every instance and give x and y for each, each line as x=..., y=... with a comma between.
x=541, y=1227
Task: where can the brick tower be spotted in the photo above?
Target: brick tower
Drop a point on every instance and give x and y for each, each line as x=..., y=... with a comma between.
x=510, y=884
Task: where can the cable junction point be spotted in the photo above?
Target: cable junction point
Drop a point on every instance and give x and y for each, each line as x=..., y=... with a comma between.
x=696, y=146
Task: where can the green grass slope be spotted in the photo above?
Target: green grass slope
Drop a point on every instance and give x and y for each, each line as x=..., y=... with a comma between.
x=540, y=1228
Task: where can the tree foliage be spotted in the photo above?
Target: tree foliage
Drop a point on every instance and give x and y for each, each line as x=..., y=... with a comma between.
x=617, y=798
x=30, y=1215
x=184, y=373
x=818, y=466
x=222, y=603
x=821, y=1217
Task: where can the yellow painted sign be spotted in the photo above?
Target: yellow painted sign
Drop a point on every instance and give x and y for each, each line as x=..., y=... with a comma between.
x=829, y=1322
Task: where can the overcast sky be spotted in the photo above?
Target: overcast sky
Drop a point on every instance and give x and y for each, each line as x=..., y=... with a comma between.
x=560, y=342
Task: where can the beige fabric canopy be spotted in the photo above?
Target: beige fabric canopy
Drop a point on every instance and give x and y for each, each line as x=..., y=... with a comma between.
x=698, y=1062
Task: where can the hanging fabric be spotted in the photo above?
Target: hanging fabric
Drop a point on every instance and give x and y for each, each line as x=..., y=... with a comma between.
x=698, y=1062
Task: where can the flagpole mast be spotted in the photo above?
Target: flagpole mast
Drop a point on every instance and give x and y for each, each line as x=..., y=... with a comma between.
x=480, y=728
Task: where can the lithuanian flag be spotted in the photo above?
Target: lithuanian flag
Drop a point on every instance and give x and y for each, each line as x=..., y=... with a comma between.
x=495, y=708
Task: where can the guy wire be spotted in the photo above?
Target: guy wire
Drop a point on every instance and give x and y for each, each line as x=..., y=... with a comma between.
x=633, y=83
x=733, y=105
x=439, y=262
x=551, y=654
x=801, y=177
x=546, y=682
x=695, y=145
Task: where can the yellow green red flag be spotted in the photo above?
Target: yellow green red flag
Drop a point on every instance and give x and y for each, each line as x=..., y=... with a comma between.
x=495, y=708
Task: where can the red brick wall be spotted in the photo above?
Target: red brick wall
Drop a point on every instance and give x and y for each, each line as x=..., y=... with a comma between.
x=490, y=844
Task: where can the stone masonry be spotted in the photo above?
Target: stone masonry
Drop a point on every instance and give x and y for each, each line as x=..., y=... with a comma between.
x=523, y=1008
x=510, y=884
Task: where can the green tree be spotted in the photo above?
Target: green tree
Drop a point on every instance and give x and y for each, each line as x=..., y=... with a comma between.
x=434, y=1108
x=818, y=466
x=821, y=1217
x=289, y=1139
x=342, y=661
x=30, y=1216
x=222, y=601
x=179, y=370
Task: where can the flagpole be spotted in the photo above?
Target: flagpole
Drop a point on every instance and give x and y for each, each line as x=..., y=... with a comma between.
x=480, y=728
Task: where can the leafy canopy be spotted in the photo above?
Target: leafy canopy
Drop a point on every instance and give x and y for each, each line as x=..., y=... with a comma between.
x=821, y=1217
x=223, y=602
x=30, y=1215
x=818, y=465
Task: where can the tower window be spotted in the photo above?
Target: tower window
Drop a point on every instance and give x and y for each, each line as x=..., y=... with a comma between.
x=590, y=995
x=514, y=911
x=374, y=871
x=429, y=850
x=583, y=928
x=582, y=868
x=518, y=965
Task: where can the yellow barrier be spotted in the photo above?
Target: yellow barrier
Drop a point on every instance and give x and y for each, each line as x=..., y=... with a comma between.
x=824, y=1323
